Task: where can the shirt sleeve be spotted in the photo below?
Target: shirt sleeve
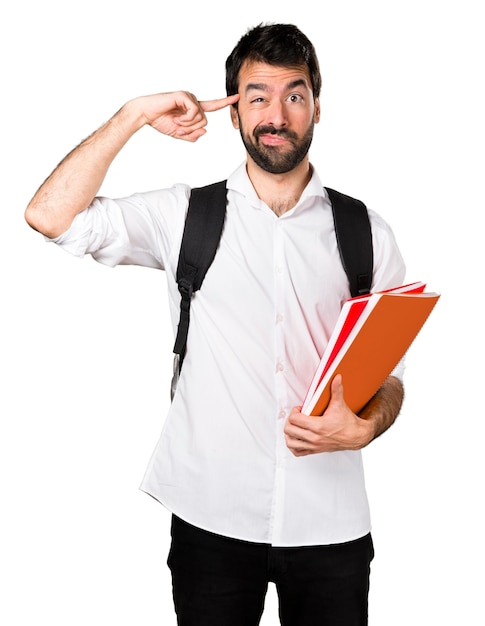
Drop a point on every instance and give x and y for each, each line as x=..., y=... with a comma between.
x=398, y=371
x=141, y=229
x=389, y=267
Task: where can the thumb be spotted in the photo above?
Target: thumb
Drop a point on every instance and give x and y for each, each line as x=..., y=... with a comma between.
x=337, y=389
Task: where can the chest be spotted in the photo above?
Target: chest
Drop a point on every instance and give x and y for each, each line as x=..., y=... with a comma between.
x=265, y=262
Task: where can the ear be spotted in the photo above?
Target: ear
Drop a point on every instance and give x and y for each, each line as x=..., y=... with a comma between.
x=234, y=116
x=317, y=110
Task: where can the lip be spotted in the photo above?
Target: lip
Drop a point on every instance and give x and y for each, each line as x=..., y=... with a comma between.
x=272, y=140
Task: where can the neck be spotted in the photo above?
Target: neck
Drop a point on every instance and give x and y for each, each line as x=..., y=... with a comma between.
x=280, y=192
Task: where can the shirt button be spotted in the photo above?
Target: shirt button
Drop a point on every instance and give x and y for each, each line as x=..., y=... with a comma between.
x=279, y=318
x=282, y=414
x=280, y=366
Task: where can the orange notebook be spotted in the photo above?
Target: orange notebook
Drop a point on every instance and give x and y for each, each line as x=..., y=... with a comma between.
x=372, y=334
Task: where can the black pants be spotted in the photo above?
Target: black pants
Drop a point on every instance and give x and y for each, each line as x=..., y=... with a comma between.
x=223, y=582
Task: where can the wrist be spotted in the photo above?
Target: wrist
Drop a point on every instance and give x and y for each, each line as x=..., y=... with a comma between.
x=131, y=116
x=372, y=429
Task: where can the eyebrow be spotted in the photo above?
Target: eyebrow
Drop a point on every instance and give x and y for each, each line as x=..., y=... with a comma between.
x=264, y=87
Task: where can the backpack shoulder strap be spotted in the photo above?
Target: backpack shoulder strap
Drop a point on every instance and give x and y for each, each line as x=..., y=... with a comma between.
x=354, y=240
x=202, y=232
x=200, y=240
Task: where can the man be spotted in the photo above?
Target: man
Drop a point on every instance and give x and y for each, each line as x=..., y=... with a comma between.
x=258, y=491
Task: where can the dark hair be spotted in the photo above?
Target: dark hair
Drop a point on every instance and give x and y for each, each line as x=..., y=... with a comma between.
x=274, y=44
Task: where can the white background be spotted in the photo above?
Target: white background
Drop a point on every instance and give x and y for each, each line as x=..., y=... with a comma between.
x=86, y=350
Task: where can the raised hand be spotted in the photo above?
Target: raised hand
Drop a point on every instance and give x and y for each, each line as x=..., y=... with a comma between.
x=74, y=183
x=179, y=114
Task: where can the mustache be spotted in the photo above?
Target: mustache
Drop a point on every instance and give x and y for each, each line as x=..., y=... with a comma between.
x=272, y=130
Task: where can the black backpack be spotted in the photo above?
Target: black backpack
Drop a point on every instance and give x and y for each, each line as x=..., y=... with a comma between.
x=203, y=229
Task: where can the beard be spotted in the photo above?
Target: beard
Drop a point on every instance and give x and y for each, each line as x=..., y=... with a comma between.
x=277, y=159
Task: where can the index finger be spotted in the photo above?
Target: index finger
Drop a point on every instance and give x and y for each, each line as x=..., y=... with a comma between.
x=220, y=103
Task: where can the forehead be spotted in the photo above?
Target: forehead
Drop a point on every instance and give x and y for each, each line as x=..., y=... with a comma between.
x=254, y=73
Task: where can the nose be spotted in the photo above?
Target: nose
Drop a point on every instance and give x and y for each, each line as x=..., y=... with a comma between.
x=276, y=114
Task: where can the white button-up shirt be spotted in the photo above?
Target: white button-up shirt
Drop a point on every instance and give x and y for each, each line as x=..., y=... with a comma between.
x=259, y=326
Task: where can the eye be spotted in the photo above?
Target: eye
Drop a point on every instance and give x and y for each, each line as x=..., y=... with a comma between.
x=257, y=100
x=295, y=97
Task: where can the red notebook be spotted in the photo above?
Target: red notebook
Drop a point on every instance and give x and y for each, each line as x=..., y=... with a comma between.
x=372, y=334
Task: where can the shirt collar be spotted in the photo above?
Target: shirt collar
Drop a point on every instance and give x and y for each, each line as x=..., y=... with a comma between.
x=240, y=182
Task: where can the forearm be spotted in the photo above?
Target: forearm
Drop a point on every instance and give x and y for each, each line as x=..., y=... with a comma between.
x=75, y=182
x=382, y=411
